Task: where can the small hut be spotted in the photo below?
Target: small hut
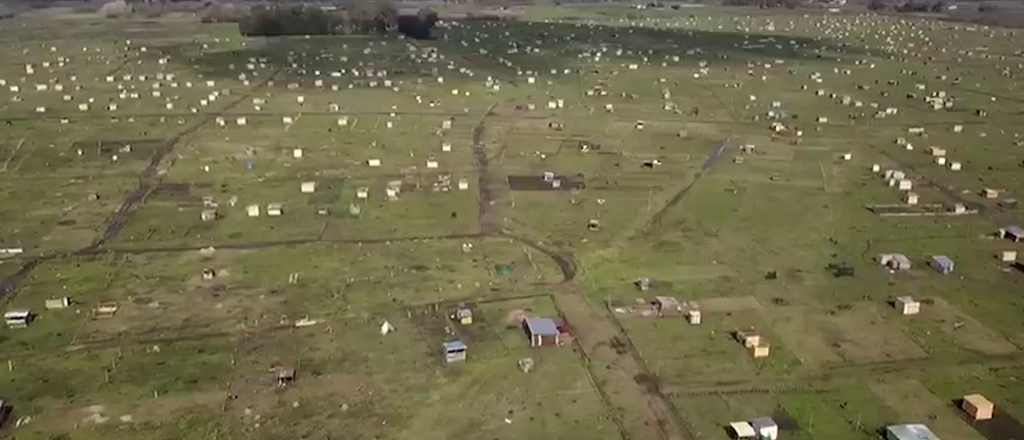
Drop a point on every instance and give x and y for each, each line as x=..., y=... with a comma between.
x=541, y=331
x=667, y=306
x=907, y=305
x=18, y=318
x=977, y=407
x=942, y=264
x=284, y=376
x=454, y=351
x=105, y=309
x=464, y=316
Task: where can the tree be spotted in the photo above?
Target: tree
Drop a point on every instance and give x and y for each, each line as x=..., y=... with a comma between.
x=987, y=7
x=877, y=5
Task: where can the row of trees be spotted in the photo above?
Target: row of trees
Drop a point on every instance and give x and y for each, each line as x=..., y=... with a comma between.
x=355, y=18
x=921, y=6
x=764, y=4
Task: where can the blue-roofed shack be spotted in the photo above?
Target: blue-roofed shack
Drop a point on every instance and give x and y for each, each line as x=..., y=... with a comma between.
x=909, y=432
x=1014, y=233
x=454, y=351
x=542, y=331
x=943, y=264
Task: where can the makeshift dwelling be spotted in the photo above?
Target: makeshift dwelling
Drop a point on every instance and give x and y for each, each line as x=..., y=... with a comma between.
x=643, y=283
x=765, y=427
x=740, y=430
x=990, y=193
x=749, y=337
x=895, y=261
x=284, y=376
x=955, y=166
x=911, y=198
x=905, y=185
x=105, y=309
x=18, y=318
x=761, y=350
x=58, y=303
x=909, y=432
x=274, y=209
x=454, y=351
x=936, y=151
x=373, y=162
x=667, y=306
x=209, y=274
x=1014, y=233
x=208, y=215
x=541, y=331
x=252, y=210
x=464, y=316
x=977, y=407
x=693, y=316
x=308, y=187
x=907, y=305
x=1008, y=256
x=942, y=264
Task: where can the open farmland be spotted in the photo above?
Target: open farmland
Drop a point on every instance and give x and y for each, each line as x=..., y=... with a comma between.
x=274, y=237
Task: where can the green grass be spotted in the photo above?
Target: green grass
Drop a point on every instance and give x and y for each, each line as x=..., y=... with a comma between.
x=187, y=355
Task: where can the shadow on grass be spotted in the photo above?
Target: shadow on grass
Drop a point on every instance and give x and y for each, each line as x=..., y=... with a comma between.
x=483, y=46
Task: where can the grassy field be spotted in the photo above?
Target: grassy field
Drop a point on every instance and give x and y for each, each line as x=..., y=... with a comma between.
x=121, y=137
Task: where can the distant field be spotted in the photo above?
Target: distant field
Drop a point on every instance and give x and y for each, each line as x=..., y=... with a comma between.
x=537, y=166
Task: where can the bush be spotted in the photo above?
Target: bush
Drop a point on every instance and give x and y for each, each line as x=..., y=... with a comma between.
x=987, y=7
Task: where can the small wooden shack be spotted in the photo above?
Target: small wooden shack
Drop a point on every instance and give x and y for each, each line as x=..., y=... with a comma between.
x=977, y=406
x=907, y=305
x=464, y=316
x=105, y=309
x=58, y=303
x=541, y=331
x=749, y=337
x=18, y=318
x=667, y=306
x=454, y=351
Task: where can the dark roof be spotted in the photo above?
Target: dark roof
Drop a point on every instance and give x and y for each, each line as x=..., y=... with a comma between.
x=541, y=326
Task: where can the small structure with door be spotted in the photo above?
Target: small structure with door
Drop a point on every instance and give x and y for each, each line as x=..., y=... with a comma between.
x=1012, y=233
x=942, y=264
x=541, y=331
x=896, y=262
x=907, y=305
x=454, y=351
x=977, y=407
x=765, y=427
x=18, y=318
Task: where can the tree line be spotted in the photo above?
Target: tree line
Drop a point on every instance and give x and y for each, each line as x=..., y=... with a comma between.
x=352, y=19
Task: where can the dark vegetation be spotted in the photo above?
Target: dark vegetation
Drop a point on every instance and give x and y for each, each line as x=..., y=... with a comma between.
x=353, y=19
x=764, y=4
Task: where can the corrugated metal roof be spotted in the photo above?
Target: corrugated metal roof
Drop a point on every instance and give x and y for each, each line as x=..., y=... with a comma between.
x=541, y=326
x=914, y=431
x=454, y=346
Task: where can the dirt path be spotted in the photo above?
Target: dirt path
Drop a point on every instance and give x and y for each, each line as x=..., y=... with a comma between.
x=652, y=219
x=643, y=412
x=134, y=200
x=485, y=180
